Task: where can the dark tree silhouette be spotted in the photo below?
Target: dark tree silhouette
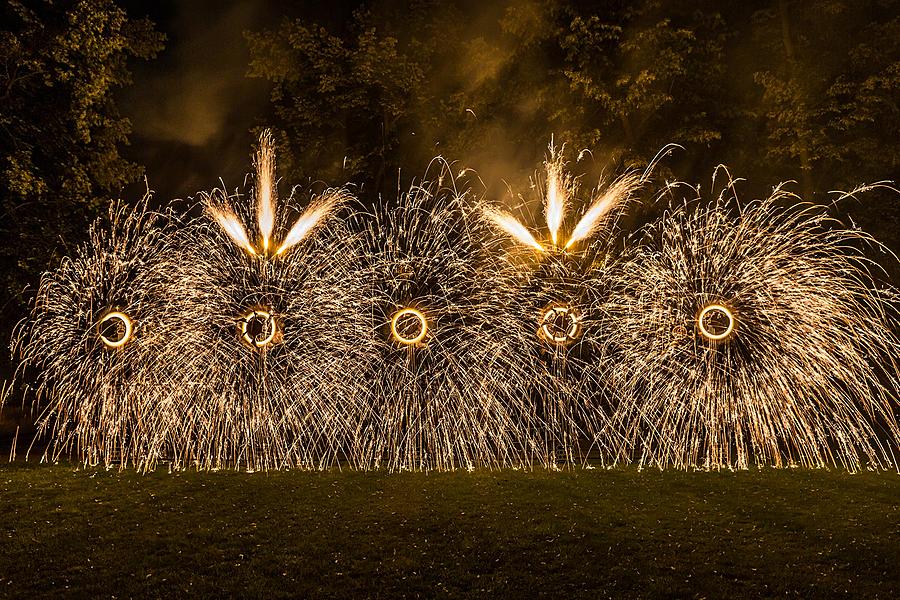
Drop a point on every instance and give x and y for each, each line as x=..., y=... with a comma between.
x=60, y=130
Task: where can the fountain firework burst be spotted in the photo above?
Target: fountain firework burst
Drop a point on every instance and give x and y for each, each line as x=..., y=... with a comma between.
x=97, y=322
x=264, y=369
x=448, y=368
x=752, y=334
x=560, y=283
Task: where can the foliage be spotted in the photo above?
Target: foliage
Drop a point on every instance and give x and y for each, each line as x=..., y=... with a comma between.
x=60, y=131
x=830, y=79
x=778, y=90
x=338, y=97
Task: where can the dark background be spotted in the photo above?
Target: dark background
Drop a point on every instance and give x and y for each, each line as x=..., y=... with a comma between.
x=101, y=99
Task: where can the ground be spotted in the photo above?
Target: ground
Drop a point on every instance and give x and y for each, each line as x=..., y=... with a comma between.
x=580, y=533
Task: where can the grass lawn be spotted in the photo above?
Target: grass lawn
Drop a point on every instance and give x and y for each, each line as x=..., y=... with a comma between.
x=583, y=533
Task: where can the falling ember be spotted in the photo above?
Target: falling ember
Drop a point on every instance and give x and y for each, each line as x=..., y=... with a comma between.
x=115, y=329
x=513, y=227
x=409, y=326
x=232, y=226
x=715, y=322
x=265, y=188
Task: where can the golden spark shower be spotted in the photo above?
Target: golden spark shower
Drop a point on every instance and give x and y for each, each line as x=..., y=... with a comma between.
x=442, y=329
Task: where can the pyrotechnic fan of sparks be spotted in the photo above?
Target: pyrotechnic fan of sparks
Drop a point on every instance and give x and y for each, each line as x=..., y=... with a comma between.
x=96, y=322
x=753, y=334
x=264, y=357
x=559, y=190
x=557, y=283
x=448, y=374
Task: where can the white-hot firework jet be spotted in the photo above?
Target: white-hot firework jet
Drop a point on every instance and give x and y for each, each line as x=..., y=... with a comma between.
x=231, y=225
x=265, y=188
x=512, y=226
x=607, y=200
x=558, y=186
x=318, y=210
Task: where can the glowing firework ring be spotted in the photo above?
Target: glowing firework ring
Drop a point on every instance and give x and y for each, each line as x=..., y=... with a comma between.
x=270, y=329
x=679, y=331
x=714, y=309
x=403, y=339
x=560, y=334
x=126, y=328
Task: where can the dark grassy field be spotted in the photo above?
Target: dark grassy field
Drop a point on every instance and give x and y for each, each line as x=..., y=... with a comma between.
x=585, y=533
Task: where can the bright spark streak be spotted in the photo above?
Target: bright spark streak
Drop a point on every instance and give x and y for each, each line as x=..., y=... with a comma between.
x=232, y=226
x=513, y=227
x=555, y=207
x=596, y=215
x=265, y=191
x=314, y=214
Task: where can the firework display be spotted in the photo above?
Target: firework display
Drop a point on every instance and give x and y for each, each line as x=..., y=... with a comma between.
x=439, y=331
x=98, y=320
x=752, y=334
x=449, y=377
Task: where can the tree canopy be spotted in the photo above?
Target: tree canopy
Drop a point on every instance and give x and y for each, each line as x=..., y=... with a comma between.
x=60, y=130
x=778, y=89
